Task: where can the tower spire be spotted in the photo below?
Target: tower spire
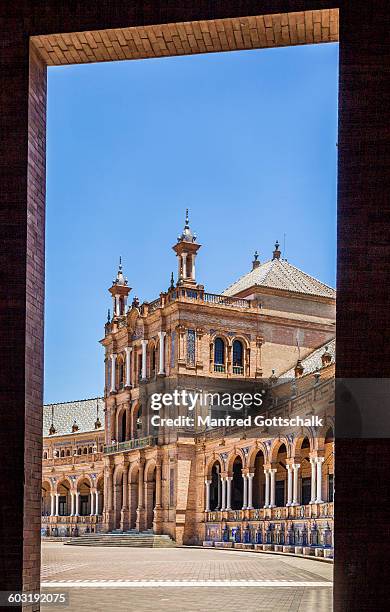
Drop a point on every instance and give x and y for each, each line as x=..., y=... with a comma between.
x=119, y=291
x=186, y=249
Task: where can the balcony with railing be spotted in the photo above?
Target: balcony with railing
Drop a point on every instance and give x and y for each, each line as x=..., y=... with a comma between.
x=134, y=443
x=194, y=295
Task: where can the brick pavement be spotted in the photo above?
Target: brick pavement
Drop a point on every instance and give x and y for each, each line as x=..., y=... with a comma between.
x=66, y=563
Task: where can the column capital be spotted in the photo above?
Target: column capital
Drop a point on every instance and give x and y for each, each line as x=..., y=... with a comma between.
x=319, y=459
x=295, y=466
x=250, y=475
x=144, y=342
x=207, y=482
x=162, y=334
x=272, y=470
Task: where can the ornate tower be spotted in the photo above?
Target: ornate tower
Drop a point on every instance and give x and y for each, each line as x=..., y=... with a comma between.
x=186, y=249
x=119, y=291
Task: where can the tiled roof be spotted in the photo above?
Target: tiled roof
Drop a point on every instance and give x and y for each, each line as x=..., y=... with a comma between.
x=280, y=274
x=313, y=361
x=64, y=415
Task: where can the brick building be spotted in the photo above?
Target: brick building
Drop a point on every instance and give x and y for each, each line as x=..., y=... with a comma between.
x=272, y=330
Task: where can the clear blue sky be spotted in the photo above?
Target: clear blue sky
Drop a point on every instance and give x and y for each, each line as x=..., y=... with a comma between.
x=246, y=140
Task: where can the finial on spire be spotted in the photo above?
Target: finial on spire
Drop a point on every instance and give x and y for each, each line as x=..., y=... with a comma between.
x=186, y=235
x=52, y=429
x=108, y=316
x=276, y=253
x=255, y=262
x=172, y=285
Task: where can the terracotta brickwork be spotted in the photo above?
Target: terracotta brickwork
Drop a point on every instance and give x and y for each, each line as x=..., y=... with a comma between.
x=363, y=349
x=251, y=32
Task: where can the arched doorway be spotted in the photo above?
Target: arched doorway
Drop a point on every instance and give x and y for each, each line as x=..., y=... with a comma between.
x=118, y=498
x=64, y=503
x=281, y=476
x=150, y=495
x=100, y=496
x=215, y=486
x=259, y=481
x=46, y=499
x=237, y=485
x=133, y=491
x=305, y=471
x=84, y=490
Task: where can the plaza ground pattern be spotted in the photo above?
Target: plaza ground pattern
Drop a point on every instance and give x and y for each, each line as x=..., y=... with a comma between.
x=184, y=579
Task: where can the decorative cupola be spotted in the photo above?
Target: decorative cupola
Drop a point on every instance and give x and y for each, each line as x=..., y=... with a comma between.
x=75, y=427
x=298, y=370
x=326, y=357
x=276, y=253
x=119, y=291
x=255, y=262
x=52, y=429
x=186, y=249
x=98, y=423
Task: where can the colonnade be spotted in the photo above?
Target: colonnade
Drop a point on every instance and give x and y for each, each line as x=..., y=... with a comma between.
x=128, y=359
x=225, y=487
x=75, y=510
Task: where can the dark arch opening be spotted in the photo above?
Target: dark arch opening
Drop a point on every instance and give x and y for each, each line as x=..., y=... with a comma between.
x=237, y=485
x=215, y=487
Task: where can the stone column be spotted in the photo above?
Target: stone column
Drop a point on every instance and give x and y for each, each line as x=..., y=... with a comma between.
x=219, y=489
x=295, y=501
x=161, y=369
x=91, y=495
x=141, y=486
x=266, y=501
x=207, y=490
x=250, y=491
x=96, y=502
x=113, y=385
x=319, y=461
x=193, y=266
x=125, y=494
x=245, y=492
x=128, y=351
x=158, y=485
x=223, y=487
x=289, y=484
x=72, y=500
x=52, y=497
x=272, y=487
x=143, y=369
x=77, y=503
x=184, y=259
x=313, y=480
x=229, y=492
x=57, y=502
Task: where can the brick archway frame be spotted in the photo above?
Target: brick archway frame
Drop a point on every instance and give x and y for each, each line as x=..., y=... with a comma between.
x=34, y=34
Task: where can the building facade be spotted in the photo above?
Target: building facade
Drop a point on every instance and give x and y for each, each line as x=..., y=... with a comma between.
x=271, y=331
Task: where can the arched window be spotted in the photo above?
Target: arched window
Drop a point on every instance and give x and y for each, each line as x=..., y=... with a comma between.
x=45, y=455
x=238, y=357
x=68, y=453
x=62, y=453
x=219, y=355
x=90, y=450
x=121, y=374
x=85, y=451
x=79, y=451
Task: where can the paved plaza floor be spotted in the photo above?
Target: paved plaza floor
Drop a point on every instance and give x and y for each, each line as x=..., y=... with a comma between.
x=183, y=579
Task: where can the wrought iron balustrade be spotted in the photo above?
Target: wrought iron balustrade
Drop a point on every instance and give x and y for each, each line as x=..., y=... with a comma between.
x=134, y=443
